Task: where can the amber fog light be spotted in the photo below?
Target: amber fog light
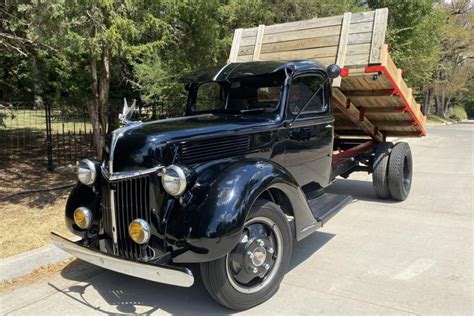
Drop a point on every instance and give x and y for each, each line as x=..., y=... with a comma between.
x=83, y=217
x=139, y=231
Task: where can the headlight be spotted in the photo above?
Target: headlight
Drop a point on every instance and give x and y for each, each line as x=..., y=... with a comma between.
x=83, y=217
x=86, y=172
x=139, y=231
x=174, y=180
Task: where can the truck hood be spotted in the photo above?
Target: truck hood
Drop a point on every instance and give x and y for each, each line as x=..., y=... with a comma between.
x=145, y=145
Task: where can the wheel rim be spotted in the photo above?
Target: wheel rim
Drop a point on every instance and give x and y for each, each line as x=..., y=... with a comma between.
x=255, y=261
x=406, y=174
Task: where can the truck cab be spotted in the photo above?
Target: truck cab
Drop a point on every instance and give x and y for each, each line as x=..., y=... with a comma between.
x=232, y=185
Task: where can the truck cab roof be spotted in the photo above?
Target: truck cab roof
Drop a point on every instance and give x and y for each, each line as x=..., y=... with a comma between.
x=233, y=71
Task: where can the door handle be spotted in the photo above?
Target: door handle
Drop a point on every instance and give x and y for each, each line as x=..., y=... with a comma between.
x=328, y=126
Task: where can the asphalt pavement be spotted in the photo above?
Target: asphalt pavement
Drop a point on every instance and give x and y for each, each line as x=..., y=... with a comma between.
x=374, y=257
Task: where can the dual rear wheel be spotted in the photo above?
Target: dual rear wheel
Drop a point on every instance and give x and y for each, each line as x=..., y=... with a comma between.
x=392, y=171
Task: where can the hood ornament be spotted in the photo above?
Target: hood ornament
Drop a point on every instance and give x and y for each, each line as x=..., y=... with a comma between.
x=127, y=113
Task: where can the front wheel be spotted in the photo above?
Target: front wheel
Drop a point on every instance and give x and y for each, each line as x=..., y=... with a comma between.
x=252, y=272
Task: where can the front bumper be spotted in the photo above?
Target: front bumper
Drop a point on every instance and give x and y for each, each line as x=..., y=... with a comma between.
x=158, y=273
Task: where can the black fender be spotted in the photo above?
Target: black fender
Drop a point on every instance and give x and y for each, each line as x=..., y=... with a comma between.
x=82, y=195
x=214, y=219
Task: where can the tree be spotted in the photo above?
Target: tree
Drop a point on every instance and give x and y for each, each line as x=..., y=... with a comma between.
x=106, y=31
x=415, y=32
x=454, y=71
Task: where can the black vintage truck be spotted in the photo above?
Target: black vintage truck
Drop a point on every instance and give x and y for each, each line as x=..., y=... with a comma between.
x=232, y=185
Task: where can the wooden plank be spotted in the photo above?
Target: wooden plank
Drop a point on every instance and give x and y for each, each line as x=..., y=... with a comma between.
x=305, y=24
x=308, y=33
x=306, y=43
x=363, y=17
x=242, y=59
x=360, y=38
x=317, y=32
x=357, y=60
x=340, y=101
x=303, y=54
x=361, y=27
x=357, y=49
x=368, y=93
x=342, y=47
x=378, y=35
x=258, y=42
x=234, y=51
x=383, y=124
x=250, y=32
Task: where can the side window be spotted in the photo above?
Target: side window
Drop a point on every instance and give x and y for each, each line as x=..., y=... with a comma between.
x=209, y=97
x=301, y=90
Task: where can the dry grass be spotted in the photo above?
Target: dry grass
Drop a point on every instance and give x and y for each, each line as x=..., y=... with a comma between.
x=42, y=272
x=27, y=219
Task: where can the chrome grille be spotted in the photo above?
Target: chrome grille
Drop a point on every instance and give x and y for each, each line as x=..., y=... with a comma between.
x=131, y=202
x=200, y=151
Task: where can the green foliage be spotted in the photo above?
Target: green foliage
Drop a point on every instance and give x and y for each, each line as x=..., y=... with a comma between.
x=469, y=107
x=49, y=47
x=415, y=34
x=459, y=113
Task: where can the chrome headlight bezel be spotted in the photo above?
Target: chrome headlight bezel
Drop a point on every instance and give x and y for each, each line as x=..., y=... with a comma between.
x=86, y=172
x=179, y=177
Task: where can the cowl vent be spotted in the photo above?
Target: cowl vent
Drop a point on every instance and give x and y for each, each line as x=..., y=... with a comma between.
x=216, y=148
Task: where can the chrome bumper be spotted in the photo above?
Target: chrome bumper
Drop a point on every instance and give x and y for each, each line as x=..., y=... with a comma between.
x=157, y=273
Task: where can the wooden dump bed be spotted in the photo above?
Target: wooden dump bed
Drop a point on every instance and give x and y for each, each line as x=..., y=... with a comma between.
x=370, y=98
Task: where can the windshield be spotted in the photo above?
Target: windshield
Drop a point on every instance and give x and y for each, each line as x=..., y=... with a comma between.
x=247, y=95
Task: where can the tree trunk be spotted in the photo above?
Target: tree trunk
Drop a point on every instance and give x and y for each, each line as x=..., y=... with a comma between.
x=427, y=96
x=439, y=105
x=37, y=91
x=94, y=110
x=104, y=84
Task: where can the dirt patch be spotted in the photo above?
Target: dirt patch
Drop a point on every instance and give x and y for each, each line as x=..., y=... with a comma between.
x=27, y=219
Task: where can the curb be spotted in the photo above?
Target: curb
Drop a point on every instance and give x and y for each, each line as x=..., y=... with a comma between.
x=25, y=263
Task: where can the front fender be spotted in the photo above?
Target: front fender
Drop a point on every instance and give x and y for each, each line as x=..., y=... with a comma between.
x=219, y=209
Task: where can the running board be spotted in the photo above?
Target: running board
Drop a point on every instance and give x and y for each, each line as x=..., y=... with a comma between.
x=325, y=206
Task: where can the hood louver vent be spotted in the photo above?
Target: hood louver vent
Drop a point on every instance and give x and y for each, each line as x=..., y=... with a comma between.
x=216, y=148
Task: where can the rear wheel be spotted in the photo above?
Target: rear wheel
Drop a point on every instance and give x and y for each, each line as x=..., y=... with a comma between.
x=380, y=170
x=400, y=171
x=252, y=272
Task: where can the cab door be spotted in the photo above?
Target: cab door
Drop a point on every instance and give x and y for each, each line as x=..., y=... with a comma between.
x=309, y=139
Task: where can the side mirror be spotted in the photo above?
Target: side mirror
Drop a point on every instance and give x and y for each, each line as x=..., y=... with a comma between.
x=333, y=71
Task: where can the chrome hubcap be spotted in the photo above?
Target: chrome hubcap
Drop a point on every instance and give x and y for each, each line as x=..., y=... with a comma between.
x=258, y=256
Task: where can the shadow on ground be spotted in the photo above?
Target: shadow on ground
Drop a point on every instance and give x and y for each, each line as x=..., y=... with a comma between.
x=123, y=294
x=358, y=189
x=28, y=175
x=127, y=295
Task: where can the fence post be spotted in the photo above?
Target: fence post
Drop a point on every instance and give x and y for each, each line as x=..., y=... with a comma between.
x=49, y=147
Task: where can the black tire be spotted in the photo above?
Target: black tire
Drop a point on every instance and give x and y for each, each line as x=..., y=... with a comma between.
x=400, y=171
x=218, y=278
x=380, y=170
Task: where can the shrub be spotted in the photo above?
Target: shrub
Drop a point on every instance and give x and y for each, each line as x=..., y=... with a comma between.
x=459, y=113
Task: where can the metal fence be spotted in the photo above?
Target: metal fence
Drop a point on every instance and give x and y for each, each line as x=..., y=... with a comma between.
x=50, y=136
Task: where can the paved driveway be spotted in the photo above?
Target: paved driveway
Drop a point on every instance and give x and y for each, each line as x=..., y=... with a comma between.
x=374, y=257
